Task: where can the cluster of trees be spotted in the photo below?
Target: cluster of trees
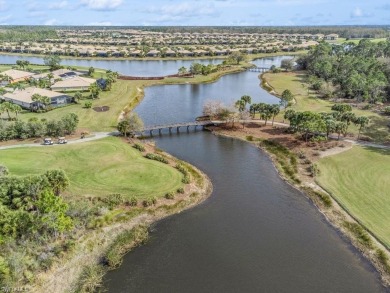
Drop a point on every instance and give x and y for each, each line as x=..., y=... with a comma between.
x=130, y=125
x=31, y=208
x=317, y=124
x=265, y=111
x=38, y=128
x=356, y=71
x=198, y=68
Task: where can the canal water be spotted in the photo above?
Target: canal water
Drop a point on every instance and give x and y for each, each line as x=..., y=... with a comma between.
x=254, y=234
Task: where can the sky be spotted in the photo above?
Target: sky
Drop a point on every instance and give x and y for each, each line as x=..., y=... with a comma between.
x=195, y=12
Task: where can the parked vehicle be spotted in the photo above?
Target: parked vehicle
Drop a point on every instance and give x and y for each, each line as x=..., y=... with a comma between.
x=62, y=140
x=48, y=141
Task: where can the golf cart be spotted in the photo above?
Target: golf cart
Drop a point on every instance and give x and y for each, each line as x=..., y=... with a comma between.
x=62, y=140
x=47, y=141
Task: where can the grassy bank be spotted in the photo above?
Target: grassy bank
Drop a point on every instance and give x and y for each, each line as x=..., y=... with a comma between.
x=97, y=168
x=359, y=180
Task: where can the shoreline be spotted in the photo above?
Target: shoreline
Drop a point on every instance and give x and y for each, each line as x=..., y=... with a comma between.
x=334, y=215
x=72, y=268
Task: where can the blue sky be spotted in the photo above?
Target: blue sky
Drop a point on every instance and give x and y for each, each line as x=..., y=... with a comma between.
x=194, y=12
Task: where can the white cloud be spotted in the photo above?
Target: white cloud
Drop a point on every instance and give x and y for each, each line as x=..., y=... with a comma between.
x=102, y=4
x=59, y=5
x=359, y=13
x=101, y=23
x=182, y=10
x=51, y=21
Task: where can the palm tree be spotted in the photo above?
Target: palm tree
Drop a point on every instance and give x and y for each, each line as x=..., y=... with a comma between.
x=274, y=109
x=7, y=107
x=94, y=90
x=16, y=109
x=247, y=99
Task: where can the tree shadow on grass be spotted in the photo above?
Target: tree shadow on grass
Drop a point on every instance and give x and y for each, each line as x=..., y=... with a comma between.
x=385, y=152
x=378, y=129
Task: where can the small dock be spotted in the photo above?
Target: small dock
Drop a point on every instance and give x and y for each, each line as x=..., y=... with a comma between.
x=258, y=69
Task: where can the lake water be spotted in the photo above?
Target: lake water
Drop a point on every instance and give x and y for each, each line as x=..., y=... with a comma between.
x=254, y=234
x=125, y=67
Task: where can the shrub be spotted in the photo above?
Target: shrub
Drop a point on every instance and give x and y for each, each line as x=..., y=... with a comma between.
x=155, y=157
x=383, y=259
x=386, y=110
x=325, y=199
x=180, y=190
x=249, y=138
x=314, y=170
x=301, y=155
x=88, y=105
x=170, y=195
x=113, y=200
x=133, y=201
x=182, y=169
x=360, y=233
x=147, y=202
x=186, y=179
x=139, y=147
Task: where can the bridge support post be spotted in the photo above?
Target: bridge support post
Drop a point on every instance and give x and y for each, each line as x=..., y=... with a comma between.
x=159, y=131
x=151, y=132
x=177, y=129
x=188, y=128
x=170, y=129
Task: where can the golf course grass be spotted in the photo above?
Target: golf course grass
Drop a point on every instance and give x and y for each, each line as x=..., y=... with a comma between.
x=97, y=168
x=359, y=180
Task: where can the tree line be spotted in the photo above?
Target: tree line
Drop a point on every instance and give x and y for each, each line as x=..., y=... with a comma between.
x=356, y=71
x=35, y=128
x=15, y=34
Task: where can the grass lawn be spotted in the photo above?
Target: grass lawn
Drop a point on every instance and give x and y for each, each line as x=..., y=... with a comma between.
x=306, y=100
x=359, y=180
x=122, y=94
x=97, y=168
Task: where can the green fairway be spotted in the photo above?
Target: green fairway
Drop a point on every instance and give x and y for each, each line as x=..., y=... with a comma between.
x=359, y=180
x=306, y=100
x=97, y=168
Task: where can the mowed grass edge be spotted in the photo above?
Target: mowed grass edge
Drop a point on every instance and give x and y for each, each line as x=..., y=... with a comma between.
x=359, y=180
x=97, y=168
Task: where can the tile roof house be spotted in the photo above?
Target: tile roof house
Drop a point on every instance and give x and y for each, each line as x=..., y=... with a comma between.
x=75, y=83
x=23, y=97
x=17, y=75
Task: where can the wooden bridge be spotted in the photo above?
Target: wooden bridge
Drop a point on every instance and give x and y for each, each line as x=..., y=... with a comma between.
x=194, y=124
x=258, y=69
